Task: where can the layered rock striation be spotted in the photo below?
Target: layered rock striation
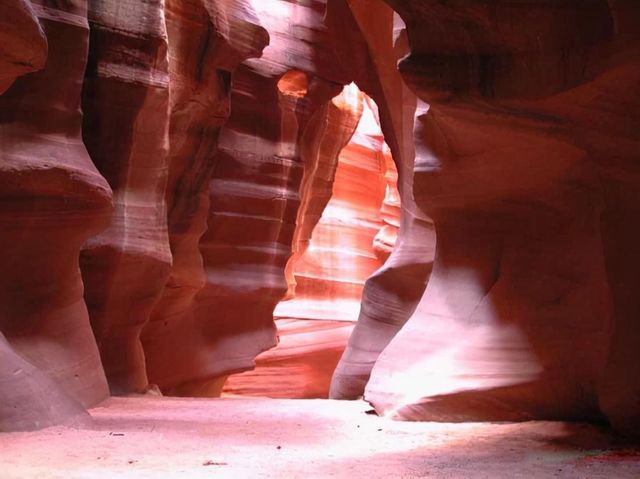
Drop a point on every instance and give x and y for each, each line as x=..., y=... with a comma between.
x=52, y=199
x=154, y=86
x=207, y=41
x=513, y=128
x=126, y=117
x=391, y=294
x=334, y=261
x=348, y=197
x=253, y=195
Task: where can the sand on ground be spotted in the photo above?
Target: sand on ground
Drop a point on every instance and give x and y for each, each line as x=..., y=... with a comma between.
x=165, y=438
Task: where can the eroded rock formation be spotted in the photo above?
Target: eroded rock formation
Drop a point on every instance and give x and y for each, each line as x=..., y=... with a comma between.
x=392, y=293
x=52, y=199
x=337, y=256
x=520, y=148
x=24, y=43
x=207, y=41
x=513, y=127
x=348, y=197
x=253, y=198
x=126, y=107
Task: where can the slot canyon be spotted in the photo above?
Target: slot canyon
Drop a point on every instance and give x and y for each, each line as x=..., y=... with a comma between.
x=319, y=238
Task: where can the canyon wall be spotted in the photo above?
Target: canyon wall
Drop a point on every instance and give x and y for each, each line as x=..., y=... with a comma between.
x=52, y=199
x=301, y=364
x=92, y=191
x=337, y=256
x=376, y=42
x=253, y=197
x=527, y=141
x=207, y=41
x=156, y=94
x=349, y=211
x=161, y=161
x=126, y=116
x=156, y=88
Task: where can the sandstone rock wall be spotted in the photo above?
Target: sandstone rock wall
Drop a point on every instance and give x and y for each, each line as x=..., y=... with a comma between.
x=207, y=41
x=126, y=116
x=156, y=95
x=514, y=130
x=119, y=61
x=391, y=294
x=525, y=125
x=334, y=249
x=253, y=195
x=24, y=42
x=52, y=199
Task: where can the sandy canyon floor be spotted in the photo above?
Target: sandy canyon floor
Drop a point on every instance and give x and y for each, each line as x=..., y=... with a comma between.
x=151, y=437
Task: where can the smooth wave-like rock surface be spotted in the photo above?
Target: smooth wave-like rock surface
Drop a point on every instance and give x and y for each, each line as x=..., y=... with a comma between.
x=391, y=294
x=52, y=199
x=126, y=106
x=207, y=41
x=521, y=146
x=142, y=81
x=24, y=43
x=253, y=198
x=164, y=163
x=349, y=198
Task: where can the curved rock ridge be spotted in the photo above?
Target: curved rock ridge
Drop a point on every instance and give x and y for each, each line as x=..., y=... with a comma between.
x=328, y=132
x=149, y=147
x=391, y=210
x=24, y=43
x=207, y=41
x=52, y=199
x=391, y=294
x=519, y=151
x=126, y=106
x=164, y=163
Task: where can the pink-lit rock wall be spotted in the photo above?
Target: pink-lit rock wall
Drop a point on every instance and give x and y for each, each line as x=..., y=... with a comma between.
x=156, y=95
x=253, y=197
x=528, y=127
x=52, y=199
x=126, y=117
x=141, y=83
x=334, y=250
x=391, y=294
x=513, y=127
x=207, y=41
x=391, y=210
x=327, y=133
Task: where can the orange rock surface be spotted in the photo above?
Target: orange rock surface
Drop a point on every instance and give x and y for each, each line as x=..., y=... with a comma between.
x=331, y=261
x=333, y=264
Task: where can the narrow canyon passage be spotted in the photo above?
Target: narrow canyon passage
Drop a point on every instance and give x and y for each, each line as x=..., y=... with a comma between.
x=336, y=248
x=319, y=238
